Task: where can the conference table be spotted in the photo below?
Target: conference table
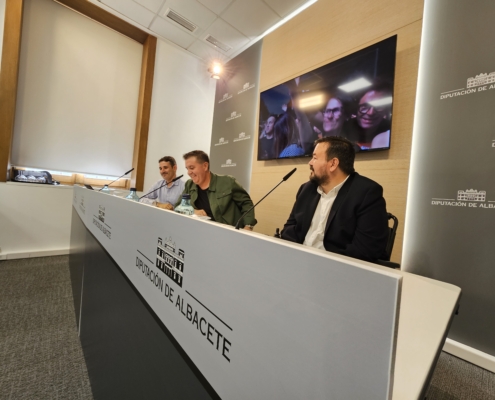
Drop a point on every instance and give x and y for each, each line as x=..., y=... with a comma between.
x=174, y=306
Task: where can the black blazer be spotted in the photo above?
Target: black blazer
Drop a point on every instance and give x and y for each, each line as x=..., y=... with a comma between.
x=357, y=225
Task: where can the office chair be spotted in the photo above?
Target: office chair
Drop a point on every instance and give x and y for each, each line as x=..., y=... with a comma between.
x=390, y=243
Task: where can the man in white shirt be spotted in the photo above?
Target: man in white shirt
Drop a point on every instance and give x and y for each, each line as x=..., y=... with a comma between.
x=339, y=210
x=165, y=192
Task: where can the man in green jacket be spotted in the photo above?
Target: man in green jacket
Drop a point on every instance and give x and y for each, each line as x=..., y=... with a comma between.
x=219, y=197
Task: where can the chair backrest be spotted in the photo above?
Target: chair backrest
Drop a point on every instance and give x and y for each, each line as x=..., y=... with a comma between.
x=391, y=234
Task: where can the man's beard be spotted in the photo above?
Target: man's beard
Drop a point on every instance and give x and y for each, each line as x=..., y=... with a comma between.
x=319, y=180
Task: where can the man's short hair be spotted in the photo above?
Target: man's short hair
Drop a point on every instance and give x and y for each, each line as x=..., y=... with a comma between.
x=341, y=148
x=200, y=155
x=168, y=159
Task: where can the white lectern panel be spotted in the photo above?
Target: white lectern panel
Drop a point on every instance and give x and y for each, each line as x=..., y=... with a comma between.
x=260, y=317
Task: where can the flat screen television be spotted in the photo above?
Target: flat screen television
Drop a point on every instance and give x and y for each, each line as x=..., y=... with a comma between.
x=351, y=97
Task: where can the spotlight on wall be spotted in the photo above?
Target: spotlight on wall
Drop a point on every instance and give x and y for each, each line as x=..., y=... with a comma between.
x=215, y=70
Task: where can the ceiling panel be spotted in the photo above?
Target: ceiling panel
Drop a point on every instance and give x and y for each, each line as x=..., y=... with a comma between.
x=152, y=5
x=222, y=31
x=207, y=52
x=171, y=32
x=251, y=17
x=285, y=7
x=132, y=10
x=192, y=10
x=217, y=6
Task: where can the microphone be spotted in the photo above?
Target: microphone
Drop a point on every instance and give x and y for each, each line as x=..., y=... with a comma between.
x=163, y=184
x=283, y=180
x=132, y=169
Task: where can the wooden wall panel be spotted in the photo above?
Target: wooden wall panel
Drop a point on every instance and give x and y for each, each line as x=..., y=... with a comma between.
x=325, y=32
x=8, y=80
x=144, y=111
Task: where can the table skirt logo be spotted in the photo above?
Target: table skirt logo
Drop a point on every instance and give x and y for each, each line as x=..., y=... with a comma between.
x=242, y=136
x=81, y=205
x=99, y=222
x=247, y=86
x=478, y=83
x=229, y=163
x=221, y=142
x=470, y=198
x=170, y=260
x=225, y=97
x=233, y=115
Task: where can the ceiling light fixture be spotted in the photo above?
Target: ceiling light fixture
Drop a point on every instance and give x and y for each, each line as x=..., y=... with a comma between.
x=215, y=70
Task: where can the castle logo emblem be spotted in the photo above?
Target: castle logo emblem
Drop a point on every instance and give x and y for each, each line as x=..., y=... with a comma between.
x=233, y=115
x=221, y=142
x=242, y=136
x=247, y=86
x=481, y=79
x=471, y=195
x=229, y=163
x=225, y=97
x=169, y=260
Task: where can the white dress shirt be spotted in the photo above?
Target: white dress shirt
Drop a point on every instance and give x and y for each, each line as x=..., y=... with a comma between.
x=165, y=194
x=316, y=232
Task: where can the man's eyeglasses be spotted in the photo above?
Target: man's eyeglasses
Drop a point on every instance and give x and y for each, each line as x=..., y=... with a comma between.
x=366, y=107
x=335, y=111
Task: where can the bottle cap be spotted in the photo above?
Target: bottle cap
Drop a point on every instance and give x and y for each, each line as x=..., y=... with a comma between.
x=133, y=189
x=186, y=196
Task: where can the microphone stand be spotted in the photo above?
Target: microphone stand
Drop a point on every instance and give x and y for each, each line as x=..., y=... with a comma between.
x=283, y=180
x=116, y=179
x=162, y=185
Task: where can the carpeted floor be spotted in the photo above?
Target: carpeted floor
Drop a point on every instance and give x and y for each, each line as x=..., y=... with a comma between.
x=40, y=352
x=41, y=356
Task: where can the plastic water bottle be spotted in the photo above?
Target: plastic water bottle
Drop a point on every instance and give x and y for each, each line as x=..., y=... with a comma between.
x=132, y=195
x=105, y=189
x=185, y=206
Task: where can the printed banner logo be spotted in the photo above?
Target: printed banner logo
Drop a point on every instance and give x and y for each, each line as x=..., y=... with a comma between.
x=470, y=198
x=247, y=86
x=242, y=136
x=221, y=142
x=478, y=83
x=81, y=205
x=233, y=115
x=228, y=163
x=225, y=97
x=169, y=261
x=99, y=222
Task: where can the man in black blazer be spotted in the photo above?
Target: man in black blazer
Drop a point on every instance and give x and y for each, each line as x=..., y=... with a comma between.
x=339, y=210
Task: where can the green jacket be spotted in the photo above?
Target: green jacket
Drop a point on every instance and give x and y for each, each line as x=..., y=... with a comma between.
x=228, y=200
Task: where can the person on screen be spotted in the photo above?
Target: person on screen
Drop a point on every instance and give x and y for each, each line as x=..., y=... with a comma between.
x=219, y=197
x=287, y=138
x=168, y=192
x=332, y=117
x=339, y=210
x=266, y=142
x=371, y=127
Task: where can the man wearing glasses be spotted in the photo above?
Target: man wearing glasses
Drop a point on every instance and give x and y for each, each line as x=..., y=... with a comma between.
x=371, y=128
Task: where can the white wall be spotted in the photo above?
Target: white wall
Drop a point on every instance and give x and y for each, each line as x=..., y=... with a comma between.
x=78, y=93
x=181, y=109
x=34, y=219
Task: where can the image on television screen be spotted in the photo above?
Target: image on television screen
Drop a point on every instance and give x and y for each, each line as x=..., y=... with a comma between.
x=351, y=97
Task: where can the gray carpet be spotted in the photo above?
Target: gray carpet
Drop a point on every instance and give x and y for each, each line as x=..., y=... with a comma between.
x=40, y=352
x=41, y=356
